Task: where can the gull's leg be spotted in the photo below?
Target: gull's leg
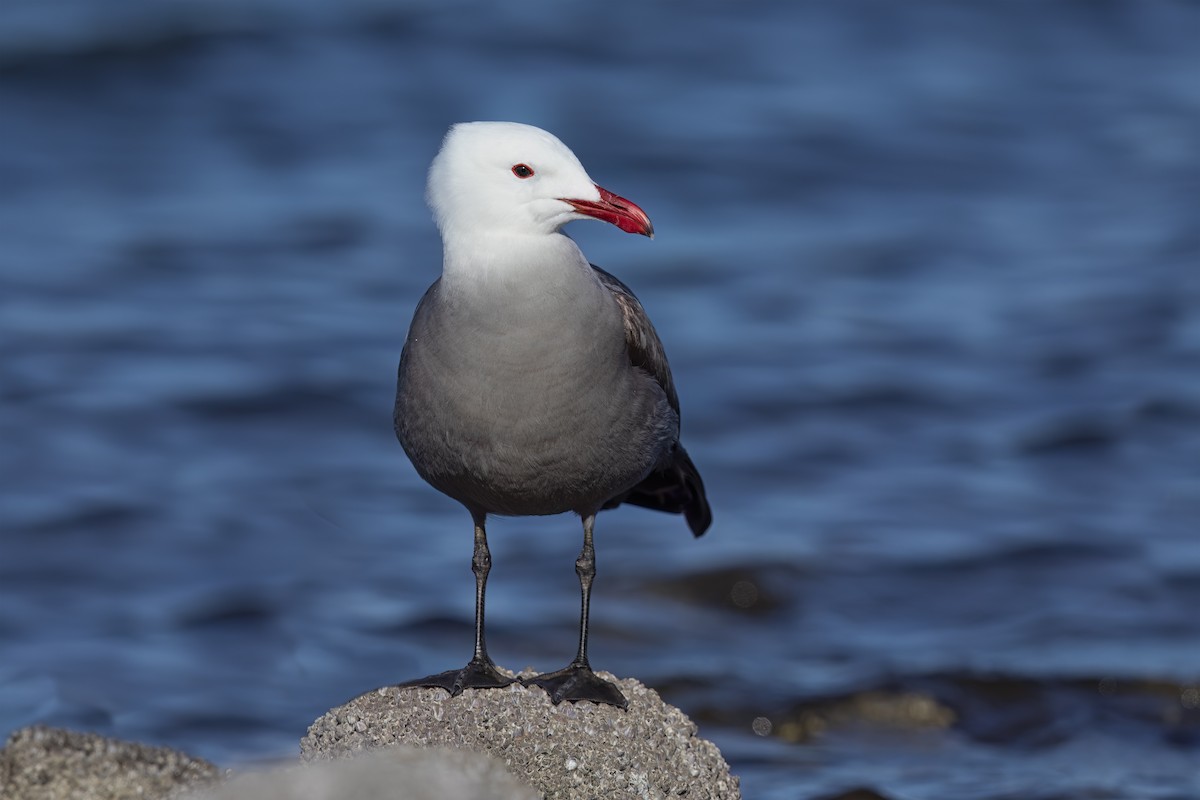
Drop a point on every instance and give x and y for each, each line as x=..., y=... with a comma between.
x=480, y=672
x=577, y=681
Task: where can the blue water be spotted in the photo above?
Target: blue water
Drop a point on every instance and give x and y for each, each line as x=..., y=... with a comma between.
x=928, y=275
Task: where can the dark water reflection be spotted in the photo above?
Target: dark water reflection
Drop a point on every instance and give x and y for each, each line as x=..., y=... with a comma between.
x=928, y=275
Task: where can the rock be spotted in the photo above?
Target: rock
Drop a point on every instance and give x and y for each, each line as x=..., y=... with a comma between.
x=569, y=752
x=650, y=752
x=41, y=763
x=395, y=773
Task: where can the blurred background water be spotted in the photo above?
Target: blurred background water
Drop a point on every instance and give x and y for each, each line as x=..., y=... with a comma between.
x=928, y=274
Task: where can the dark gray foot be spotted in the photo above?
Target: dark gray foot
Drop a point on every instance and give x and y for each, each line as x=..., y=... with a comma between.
x=475, y=675
x=577, y=682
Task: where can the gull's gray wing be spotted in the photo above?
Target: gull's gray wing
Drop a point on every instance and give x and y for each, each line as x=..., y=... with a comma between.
x=641, y=340
x=676, y=486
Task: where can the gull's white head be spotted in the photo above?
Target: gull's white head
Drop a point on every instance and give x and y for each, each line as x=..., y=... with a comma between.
x=505, y=177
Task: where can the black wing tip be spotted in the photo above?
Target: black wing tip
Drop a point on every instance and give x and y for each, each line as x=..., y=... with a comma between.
x=697, y=511
x=676, y=489
x=699, y=516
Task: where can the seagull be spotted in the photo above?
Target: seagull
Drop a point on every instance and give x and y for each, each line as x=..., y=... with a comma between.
x=531, y=381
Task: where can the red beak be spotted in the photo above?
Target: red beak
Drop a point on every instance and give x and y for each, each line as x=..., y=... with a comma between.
x=617, y=210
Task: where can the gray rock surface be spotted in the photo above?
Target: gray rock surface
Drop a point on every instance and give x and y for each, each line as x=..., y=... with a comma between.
x=40, y=763
x=568, y=752
x=390, y=773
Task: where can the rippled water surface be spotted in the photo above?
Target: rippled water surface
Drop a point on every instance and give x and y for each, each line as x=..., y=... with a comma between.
x=928, y=274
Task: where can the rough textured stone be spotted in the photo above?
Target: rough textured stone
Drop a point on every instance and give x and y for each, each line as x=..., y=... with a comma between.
x=569, y=752
x=40, y=763
x=395, y=773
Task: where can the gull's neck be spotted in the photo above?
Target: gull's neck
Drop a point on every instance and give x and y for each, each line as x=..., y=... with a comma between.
x=491, y=261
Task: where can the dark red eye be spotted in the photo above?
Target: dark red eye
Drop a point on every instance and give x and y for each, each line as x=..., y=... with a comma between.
x=523, y=170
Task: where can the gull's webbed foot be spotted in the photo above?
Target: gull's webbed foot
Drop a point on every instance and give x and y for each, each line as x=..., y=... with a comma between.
x=478, y=674
x=578, y=682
